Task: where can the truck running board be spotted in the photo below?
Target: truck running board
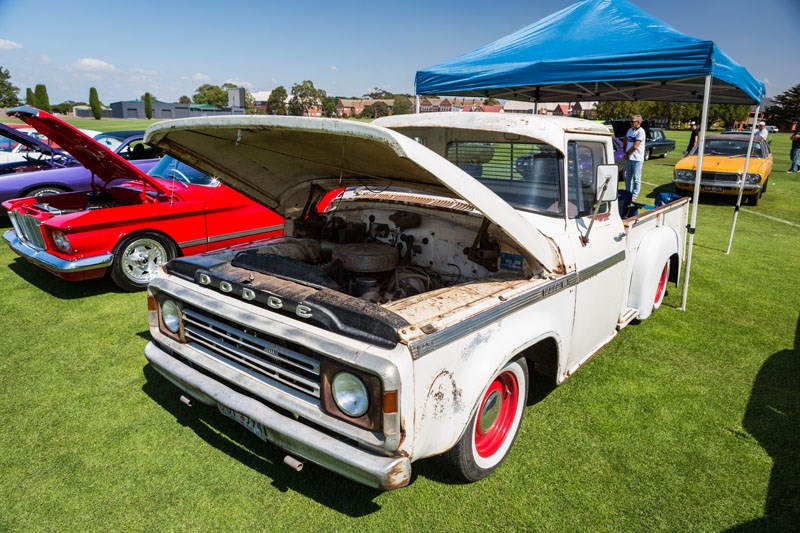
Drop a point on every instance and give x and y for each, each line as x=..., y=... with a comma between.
x=629, y=315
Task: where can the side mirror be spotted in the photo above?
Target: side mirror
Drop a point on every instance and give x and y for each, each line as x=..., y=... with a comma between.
x=605, y=183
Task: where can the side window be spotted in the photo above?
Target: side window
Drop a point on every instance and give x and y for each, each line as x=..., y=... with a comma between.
x=583, y=158
x=136, y=150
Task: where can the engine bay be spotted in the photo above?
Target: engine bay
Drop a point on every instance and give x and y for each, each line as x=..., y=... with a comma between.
x=383, y=252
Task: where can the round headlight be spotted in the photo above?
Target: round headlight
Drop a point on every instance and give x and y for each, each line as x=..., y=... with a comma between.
x=753, y=178
x=350, y=394
x=171, y=315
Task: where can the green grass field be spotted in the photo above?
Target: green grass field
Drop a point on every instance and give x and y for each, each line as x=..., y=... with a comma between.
x=687, y=421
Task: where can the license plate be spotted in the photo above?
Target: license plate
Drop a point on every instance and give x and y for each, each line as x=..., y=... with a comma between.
x=708, y=188
x=246, y=421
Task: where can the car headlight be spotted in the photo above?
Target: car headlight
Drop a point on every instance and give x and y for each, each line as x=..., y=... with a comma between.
x=684, y=174
x=753, y=178
x=350, y=394
x=171, y=316
x=61, y=241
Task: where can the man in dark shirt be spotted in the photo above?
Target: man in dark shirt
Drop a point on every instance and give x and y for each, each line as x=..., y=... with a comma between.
x=692, y=137
x=794, y=153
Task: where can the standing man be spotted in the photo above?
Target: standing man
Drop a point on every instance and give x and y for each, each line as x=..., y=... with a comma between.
x=692, y=137
x=633, y=145
x=794, y=153
x=762, y=130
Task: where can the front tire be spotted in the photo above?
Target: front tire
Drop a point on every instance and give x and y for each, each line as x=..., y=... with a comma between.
x=648, y=154
x=495, y=424
x=137, y=258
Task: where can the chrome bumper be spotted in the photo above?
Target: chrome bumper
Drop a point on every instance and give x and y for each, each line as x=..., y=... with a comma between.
x=50, y=262
x=373, y=470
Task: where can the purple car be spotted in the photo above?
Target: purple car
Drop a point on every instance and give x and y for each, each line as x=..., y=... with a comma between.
x=20, y=152
x=127, y=144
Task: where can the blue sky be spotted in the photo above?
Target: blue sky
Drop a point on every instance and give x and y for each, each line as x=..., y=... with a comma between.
x=171, y=47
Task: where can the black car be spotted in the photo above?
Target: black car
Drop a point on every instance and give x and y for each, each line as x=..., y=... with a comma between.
x=656, y=143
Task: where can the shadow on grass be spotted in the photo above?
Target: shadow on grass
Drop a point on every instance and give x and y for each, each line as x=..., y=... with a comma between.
x=773, y=418
x=327, y=488
x=57, y=287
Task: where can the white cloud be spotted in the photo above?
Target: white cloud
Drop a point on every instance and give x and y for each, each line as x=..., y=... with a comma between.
x=334, y=68
x=45, y=60
x=240, y=83
x=199, y=77
x=89, y=64
x=6, y=45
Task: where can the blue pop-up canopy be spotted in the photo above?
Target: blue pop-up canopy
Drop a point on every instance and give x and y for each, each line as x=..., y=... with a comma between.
x=594, y=50
x=603, y=50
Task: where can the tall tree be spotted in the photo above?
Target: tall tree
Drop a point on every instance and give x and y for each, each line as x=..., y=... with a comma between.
x=377, y=110
x=94, y=103
x=29, y=98
x=402, y=105
x=211, y=94
x=379, y=94
x=42, y=101
x=148, y=106
x=277, y=100
x=65, y=107
x=184, y=100
x=8, y=92
x=787, y=107
x=305, y=96
x=329, y=106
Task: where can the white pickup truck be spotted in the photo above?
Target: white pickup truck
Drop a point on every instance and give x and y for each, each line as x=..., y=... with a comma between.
x=465, y=252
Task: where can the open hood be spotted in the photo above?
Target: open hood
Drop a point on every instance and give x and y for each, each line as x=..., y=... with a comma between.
x=104, y=163
x=277, y=159
x=30, y=142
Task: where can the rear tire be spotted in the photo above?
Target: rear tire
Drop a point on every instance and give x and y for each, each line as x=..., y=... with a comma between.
x=137, y=259
x=495, y=424
x=647, y=154
x=754, y=198
x=661, y=287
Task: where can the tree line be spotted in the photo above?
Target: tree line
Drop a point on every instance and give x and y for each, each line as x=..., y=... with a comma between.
x=305, y=95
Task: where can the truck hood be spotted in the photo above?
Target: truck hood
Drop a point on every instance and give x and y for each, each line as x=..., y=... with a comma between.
x=276, y=160
x=100, y=160
x=31, y=142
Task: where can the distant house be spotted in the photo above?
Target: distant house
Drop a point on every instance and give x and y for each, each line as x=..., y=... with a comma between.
x=562, y=110
x=353, y=107
x=450, y=104
x=164, y=110
x=512, y=106
x=85, y=111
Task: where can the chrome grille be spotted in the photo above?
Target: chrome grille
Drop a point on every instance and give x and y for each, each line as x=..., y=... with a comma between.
x=719, y=176
x=262, y=356
x=27, y=229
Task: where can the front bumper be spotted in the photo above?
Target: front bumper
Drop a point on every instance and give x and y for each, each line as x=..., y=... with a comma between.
x=55, y=264
x=373, y=470
x=716, y=187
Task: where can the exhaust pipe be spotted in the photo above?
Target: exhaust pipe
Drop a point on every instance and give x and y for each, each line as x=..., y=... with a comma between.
x=187, y=400
x=293, y=463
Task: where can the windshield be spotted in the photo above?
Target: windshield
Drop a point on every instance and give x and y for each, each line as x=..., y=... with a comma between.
x=526, y=175
x=730, y=148
x=169, y=168
x=108, y=141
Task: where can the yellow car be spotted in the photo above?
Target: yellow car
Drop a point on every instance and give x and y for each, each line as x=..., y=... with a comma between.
x=723, y=163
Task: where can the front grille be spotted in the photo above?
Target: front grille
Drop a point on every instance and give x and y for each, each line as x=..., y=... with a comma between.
x=720, y=176
x=28, y=230
x=269, y=359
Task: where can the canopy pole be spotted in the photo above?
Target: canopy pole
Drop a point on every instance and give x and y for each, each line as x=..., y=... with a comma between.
x=696, y=196
x=743, y=178
x=416, y=103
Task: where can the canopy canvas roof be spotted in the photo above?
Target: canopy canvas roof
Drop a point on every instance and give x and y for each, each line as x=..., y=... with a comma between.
x=603, y=50
x=594, y=50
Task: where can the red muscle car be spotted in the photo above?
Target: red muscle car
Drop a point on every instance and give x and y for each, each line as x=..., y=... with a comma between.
x=131, y=222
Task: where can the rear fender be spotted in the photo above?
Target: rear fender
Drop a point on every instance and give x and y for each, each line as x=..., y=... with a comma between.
x=655, y=250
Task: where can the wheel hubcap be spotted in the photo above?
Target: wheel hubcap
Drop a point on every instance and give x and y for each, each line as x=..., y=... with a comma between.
x=496, y=415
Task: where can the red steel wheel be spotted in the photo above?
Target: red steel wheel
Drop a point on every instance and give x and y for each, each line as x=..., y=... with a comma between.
x=495, y=424
x=661, y=288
